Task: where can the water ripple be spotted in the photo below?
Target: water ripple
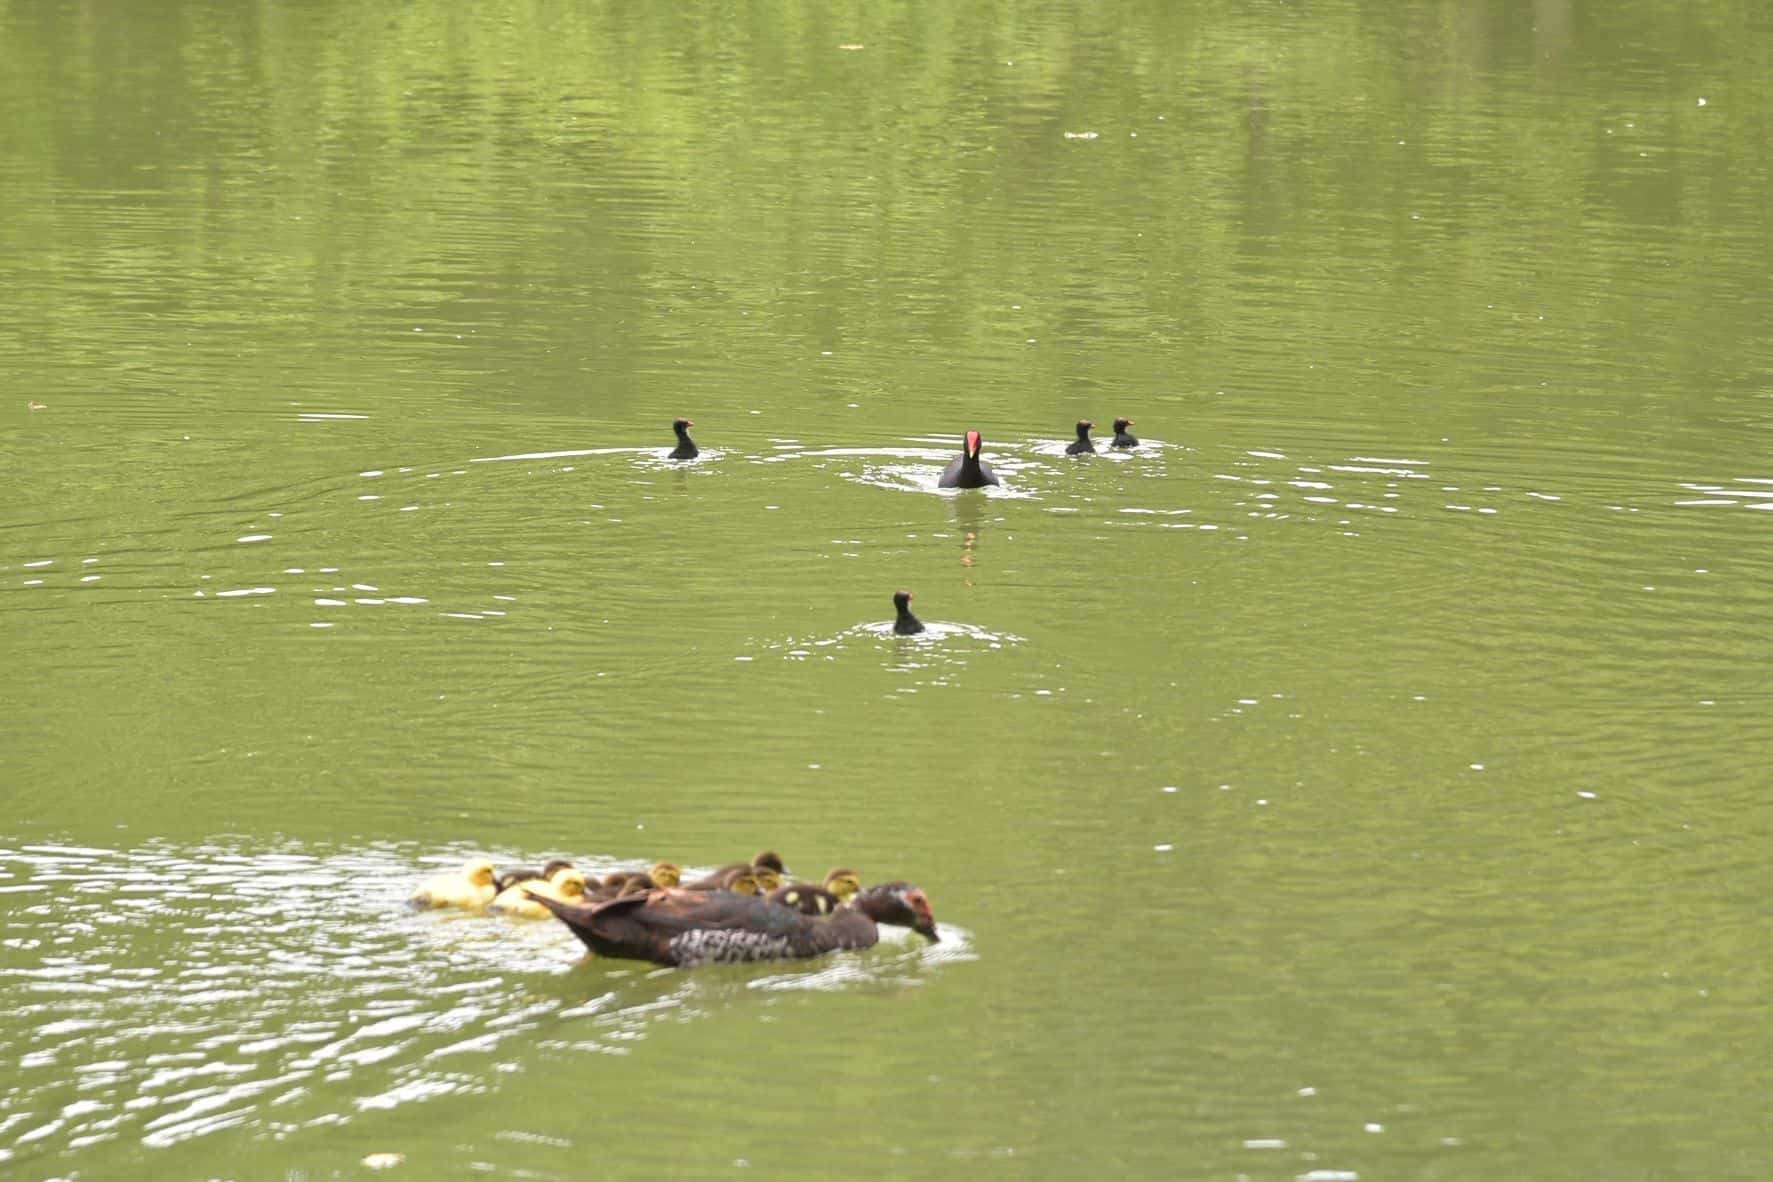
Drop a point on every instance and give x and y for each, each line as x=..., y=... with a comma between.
x=290, y=990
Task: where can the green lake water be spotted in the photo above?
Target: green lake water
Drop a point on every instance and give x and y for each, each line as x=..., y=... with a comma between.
x=1363, y=779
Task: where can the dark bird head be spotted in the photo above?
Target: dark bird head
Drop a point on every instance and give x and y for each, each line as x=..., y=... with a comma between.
x=900, y=904
x=769, y=860
x=682, y=426
x=553, y=866
x=973, y=444
x=902, y=601
x=1121, y=425
x=1083, y=428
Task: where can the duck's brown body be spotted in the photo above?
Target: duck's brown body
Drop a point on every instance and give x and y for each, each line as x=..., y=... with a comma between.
x=719, y=927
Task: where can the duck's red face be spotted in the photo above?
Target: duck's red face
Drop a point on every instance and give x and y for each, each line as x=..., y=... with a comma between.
x=920, y=906
x=972, y=443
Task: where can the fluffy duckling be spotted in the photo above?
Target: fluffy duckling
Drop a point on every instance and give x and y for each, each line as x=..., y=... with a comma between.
x=567, y=886
x=841, y=884
x=471, y=886
x=666, y=874
x=806, y=899
x=767, y=863
x=524, y=874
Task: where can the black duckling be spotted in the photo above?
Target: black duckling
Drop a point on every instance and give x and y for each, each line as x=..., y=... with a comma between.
x=840, y=885
x=1123, y=437
x=686, y=448
x=767, y=863
x=907, y=624
x=685, y=928
x=511, y=878
x=1082, y=446
x=967, y=470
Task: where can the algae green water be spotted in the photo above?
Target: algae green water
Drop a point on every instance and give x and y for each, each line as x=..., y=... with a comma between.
x=1363, y=779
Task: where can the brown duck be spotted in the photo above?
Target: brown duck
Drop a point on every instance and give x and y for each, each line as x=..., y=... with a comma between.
x=688, y=928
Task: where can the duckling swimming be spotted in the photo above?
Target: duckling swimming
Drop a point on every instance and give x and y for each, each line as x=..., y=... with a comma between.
x=525, y=874
x=471, y=886
x=767, y=864
x=567, y=886
x=840, y=886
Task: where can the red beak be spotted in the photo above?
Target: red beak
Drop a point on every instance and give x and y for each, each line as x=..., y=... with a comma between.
x=972, y=443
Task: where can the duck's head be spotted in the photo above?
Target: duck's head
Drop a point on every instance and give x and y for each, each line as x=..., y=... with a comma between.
x=973, y=444
x=637, y=884
x=554, y=866
x=682, y=425
x=570, y=883
x=843, y=882
x=1121, y=425
x=1083, y=428
x=902, y=600
x=766, y=879
x=481, y=872
x=900, y=904
x=769, y=860
x=745, y=884
x=666, y=874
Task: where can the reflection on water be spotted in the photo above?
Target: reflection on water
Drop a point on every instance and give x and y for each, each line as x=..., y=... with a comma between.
x=161, y=995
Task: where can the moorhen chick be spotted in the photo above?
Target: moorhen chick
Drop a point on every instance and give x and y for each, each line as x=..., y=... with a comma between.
x=1123, y=437
x=1082, y=446
x=679, y=928
x=907, y=624
x=686, y=448
x=967, y=470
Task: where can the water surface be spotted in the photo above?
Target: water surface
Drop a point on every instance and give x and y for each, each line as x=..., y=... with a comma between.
x=1361, y=779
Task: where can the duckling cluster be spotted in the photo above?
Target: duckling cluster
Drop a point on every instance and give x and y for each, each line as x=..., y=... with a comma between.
x=743, y=911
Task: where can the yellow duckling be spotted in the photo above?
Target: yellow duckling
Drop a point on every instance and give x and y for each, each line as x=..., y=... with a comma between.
x=666, y=874
x=471, y=886
x=567, y=886
x=843, y=883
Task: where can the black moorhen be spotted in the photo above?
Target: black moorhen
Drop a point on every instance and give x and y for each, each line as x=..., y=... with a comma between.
x=907, y=624
x=686, y=448
x=967, y=470
x=684, y=928
x=1123, y=437
x=1082, y=445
